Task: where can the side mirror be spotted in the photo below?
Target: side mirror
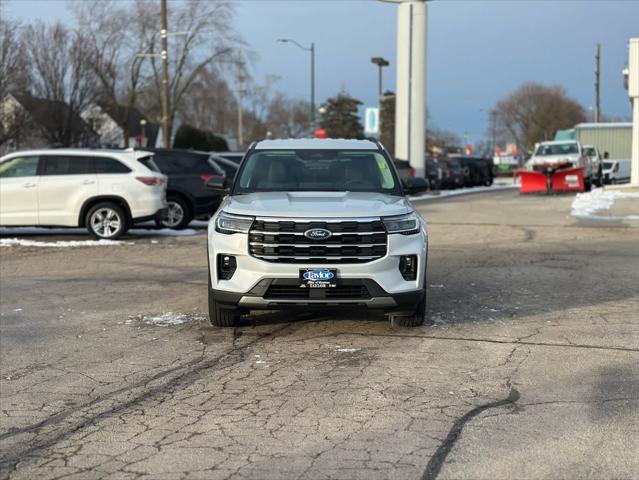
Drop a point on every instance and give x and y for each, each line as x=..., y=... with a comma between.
x=218, y=184
x=414, y=185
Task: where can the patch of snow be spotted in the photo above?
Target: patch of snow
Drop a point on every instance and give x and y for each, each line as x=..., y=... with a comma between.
x=348, y=350
x=199, y=224
x=437, y=319
x=260, y=362
x=587, y=204
x=436, y=286
x=501, y=184
x=163, y=232
x=17, y=309
x=8, y=242
x=166, y=319
x=151, y=231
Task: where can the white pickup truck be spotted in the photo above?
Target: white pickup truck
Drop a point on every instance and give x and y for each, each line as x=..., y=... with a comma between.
x=568, y=154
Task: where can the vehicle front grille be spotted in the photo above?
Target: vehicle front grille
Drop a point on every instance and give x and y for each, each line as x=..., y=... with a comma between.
x=351, y=241
x=295, y=292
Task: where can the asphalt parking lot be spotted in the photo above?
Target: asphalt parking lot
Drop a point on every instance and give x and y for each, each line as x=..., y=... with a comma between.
x=531, y=369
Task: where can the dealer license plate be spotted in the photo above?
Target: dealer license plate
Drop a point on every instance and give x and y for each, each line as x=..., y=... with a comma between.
x=318, y=277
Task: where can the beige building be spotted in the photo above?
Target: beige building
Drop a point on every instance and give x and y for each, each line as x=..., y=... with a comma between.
x=614, y=138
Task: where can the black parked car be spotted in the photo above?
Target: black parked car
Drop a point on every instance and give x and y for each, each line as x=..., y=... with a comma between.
x=456, y=176
x=410, y=182
x=235, y=157
x=486, y=169
x=230, y=167
x=477, y=171
x=187, y=195
x=434, y=174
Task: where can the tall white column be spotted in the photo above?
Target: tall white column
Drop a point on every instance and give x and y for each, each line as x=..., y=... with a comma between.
x=410, y=106
x=633, y=92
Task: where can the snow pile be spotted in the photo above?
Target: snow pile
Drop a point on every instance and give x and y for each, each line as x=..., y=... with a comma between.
x=501, y=184
x=8, y=242
x=137, y=230
x=166, y=319
x=586, y=205
x=163, y=232
x=347, y=350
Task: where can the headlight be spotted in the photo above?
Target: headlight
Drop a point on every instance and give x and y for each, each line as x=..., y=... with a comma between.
x=404, y=224
x=227, y=223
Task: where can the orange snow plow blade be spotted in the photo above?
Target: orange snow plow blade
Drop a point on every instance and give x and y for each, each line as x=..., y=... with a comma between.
x=552, y=180
x=568, y=180
x=533, y=182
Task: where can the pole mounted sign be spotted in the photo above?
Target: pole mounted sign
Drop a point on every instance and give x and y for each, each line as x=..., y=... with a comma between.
x=631, y=79
x=371, y=121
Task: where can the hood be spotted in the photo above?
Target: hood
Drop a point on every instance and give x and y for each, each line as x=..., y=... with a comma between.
x=554, y=159
x=316, y=204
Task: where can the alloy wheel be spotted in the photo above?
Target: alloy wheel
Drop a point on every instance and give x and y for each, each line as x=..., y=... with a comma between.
x=174, y=214
x=106, y=222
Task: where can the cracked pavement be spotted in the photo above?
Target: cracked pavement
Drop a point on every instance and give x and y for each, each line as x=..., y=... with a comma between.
x=531, y=369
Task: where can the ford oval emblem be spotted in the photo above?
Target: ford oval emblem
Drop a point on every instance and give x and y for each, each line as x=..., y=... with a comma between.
x=317, y=234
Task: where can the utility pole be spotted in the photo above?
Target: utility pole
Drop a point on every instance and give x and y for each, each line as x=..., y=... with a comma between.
x=313, y=124
x=165, y=76
x=240, y=127
x=597, y=84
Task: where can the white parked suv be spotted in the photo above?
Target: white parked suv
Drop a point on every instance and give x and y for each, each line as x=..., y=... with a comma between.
x=316, y=223
x=105, y=191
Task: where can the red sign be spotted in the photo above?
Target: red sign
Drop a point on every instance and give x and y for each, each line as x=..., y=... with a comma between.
x=320, y=133
x=469, y=149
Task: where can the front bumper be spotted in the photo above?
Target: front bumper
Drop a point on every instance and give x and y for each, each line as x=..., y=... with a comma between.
x=261, y=296
x=382, y=280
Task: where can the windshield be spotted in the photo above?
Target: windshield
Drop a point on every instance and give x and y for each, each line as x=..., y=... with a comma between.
x=317, y=171
x=590, y=152
x=608, y=165
x=557, y=149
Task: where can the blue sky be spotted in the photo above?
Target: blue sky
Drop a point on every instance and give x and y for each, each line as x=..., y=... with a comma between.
x=478, y=51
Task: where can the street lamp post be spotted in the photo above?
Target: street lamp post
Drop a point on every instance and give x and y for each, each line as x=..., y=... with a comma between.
x=143, y=132
x=381, y=63
x=310, y=49
x=165, y=75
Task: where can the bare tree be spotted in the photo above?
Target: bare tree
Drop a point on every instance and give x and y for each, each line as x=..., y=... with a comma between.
x=287, y=118
x=206, y=36
x=438, y=137
x=13, y=79
x=534, y=113
x=114, y=49
x=210, y=103
x=62, y=77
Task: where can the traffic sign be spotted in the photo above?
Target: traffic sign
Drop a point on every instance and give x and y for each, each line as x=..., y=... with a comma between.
x=371, y=121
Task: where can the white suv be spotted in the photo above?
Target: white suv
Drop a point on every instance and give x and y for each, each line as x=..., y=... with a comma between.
x=316, y=223
x=105, y=191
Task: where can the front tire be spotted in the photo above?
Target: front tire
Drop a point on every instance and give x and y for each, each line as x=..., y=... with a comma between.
x=106, y=221
x=418, y=318
x=221, y=316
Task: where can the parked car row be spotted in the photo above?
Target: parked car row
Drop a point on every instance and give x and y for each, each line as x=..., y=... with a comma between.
x=448, y=173
x=108, y=191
